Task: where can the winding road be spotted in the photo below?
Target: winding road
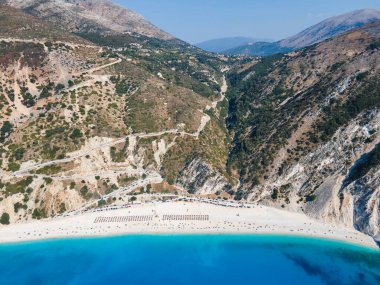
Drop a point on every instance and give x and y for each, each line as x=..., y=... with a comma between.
x=150, y=177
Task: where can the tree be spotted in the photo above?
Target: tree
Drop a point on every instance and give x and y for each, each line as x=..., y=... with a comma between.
x=38, y=214
x=170, y=180
x=4, y=220
x=5, y=130
x=76, y=134
x=59, y=87
x=133, y=199
x=84, y=191
x=274, y=194
x=62, y=208
x=19, y=153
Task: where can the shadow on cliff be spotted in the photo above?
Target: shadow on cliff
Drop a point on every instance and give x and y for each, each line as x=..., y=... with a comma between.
x=362, y=166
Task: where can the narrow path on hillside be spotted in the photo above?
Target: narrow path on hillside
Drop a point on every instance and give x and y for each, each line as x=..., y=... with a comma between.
x=94, y=78
x=148, y=176
x=205, y=119
x=43, y=42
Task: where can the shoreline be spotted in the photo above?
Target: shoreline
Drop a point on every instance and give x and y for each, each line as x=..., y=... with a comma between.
x=260, y=220
x=199, y=234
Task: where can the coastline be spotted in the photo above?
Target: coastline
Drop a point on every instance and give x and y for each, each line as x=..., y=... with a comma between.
x=150, y=219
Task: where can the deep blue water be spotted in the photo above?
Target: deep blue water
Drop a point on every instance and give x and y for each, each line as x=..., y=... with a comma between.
x=192, y=260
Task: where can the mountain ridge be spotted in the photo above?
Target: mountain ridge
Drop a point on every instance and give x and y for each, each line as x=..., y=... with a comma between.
x=79, y=16
x=324, y=30
x=306, y=130
x=223, y=44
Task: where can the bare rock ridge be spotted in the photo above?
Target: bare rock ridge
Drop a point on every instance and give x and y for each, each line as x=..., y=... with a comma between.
x=324, y=30
x=331, y=27
x=199, y=177
x=16, y=24
x=90, y=16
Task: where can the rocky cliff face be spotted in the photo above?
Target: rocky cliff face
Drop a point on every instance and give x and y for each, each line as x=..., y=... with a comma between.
x=322, y=184
x=198, y=177
x=85, y=16
x=365, y=193
x=306, y=130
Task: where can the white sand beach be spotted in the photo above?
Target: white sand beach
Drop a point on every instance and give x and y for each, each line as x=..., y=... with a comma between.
x=181, y=218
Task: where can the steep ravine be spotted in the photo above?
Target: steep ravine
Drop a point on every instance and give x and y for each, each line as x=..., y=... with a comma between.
x=199, y=176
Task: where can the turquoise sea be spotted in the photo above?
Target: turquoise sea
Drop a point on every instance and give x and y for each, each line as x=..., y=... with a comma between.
x=196, y=260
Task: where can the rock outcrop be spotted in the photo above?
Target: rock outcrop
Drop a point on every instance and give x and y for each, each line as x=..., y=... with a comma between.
x=90, y=16
x=198, y=177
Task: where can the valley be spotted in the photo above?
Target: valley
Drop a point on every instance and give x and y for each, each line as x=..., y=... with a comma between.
x=101, y=111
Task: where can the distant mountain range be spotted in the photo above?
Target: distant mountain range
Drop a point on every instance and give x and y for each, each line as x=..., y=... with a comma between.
x=324, y=30
x=223, y=44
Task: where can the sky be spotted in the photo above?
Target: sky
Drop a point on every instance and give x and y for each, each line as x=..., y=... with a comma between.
x=198, y=20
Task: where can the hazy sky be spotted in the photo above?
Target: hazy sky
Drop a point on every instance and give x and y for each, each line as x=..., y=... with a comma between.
x=198, y=20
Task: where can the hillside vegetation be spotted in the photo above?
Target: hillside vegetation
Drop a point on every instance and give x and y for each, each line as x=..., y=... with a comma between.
x=301, y=121
x=82, y=115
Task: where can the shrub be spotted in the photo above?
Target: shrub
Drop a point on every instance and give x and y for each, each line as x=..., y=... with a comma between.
x=12, y=166
x=84, y=191
x=310, y=198
x=5, y=130
x=59, y=87
x=18, y=187
x=109, y=191
x=274, y=194
x=52, y=132
x=49, y=170
x=76, y=134
x=4, y=219
x=19, y=206
x=48, y=180
x=170, y=180
x=29, y=190
x=62, y=208
x=39, y=214
x=19, y=153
